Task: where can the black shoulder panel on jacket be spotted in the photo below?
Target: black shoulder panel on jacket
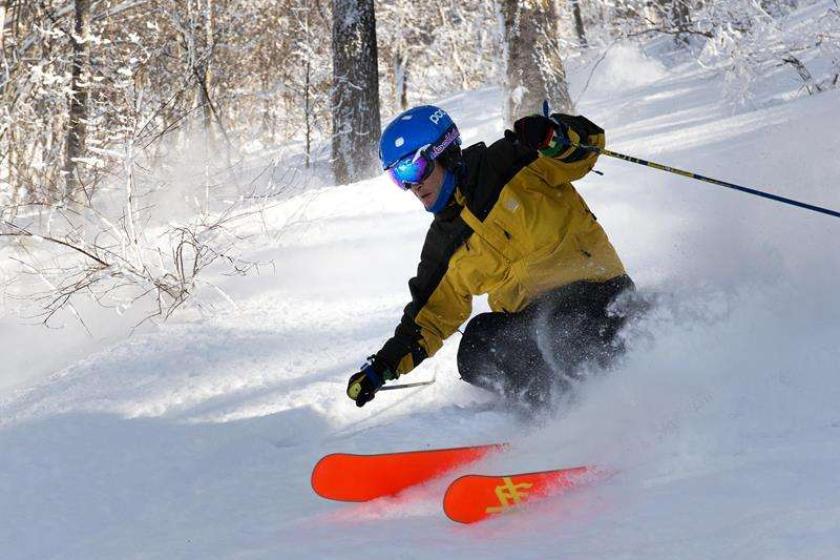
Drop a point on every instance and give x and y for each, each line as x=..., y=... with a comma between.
x=488, y=170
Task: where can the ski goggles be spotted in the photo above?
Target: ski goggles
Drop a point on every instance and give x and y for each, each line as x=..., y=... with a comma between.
x=412, y=170
x=416, y=168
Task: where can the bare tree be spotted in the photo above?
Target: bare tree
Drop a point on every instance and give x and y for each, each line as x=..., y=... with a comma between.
x=534, y=67
x=355, y=97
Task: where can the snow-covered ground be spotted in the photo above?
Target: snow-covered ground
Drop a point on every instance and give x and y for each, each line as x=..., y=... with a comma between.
x=196, y=440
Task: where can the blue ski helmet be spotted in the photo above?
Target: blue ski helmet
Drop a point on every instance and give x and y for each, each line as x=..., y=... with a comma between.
x=421, y=126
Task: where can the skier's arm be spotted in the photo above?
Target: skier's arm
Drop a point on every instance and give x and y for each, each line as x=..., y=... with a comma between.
x=439, y=305
x=437, y=309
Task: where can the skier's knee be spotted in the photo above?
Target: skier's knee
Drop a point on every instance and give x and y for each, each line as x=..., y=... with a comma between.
x=481, y=327
x=475, y=347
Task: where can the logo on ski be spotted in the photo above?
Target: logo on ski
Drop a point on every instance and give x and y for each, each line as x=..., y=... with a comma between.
x=509, y=495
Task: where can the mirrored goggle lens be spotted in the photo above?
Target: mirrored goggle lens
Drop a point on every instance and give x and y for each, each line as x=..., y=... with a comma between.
x=410, y=171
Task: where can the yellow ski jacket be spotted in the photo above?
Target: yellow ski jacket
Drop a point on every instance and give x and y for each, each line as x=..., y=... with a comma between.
x=516, y=229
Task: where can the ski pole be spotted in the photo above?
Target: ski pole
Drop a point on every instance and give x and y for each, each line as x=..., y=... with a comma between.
x=690, y=175
x=406, y=385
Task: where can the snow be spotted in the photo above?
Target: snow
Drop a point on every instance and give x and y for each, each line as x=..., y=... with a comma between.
x=625, y=67
x=196, y=439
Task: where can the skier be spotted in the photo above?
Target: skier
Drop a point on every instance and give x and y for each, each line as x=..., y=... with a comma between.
x=508, y=223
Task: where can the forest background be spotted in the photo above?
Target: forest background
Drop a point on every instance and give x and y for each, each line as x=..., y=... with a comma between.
x=136, y=134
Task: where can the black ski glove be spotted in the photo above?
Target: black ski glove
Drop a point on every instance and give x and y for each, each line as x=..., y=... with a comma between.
x=541, y=133
x=362, y=386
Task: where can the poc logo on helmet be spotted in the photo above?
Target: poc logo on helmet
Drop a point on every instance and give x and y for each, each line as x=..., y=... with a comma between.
x=436, y=116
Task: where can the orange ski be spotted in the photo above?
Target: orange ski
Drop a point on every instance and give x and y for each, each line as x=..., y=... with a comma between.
x=359, y=478
x=475, y=497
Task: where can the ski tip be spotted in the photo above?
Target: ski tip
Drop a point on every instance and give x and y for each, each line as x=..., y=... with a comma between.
x=451, y=499
x=316, y=475
x=323, y=476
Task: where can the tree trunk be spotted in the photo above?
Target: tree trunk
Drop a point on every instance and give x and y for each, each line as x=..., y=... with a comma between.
x=200, y=60
x=579, y=29
x=681, y=20
x=401, y=79
x=534, y=67
x=307, y=109
x=307, y=87
x=205, y=69
x=3, y=40
x=78, y=109
x=355, y=91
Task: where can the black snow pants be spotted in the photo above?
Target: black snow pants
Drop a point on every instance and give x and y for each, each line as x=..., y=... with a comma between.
x=530, y=355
